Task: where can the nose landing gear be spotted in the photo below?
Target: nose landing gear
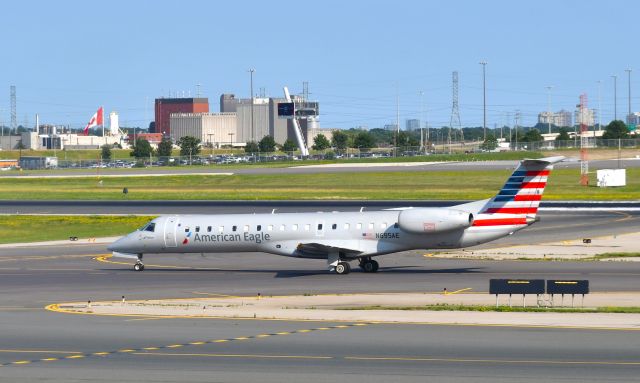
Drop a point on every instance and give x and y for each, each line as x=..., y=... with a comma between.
x=139, y=266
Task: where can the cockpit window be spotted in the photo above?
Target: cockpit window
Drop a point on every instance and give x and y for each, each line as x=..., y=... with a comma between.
x=151, y=226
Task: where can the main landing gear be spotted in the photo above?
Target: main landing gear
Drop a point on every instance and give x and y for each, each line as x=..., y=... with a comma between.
x=343, y=268
x=139, y=266
x=368, y=265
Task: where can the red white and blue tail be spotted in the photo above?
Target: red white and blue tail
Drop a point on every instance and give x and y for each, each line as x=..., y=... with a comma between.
x=518, y=201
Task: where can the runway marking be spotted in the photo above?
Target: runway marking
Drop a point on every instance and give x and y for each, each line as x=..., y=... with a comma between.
x=496, y=361
x=138, y=351
x=40, y=351
x=238, y=355
x=44, y=257
x=106, y=258
x=458, y=291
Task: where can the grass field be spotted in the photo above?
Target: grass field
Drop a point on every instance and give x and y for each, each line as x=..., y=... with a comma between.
x=449, y=307
x=563, y=185
x=35, y=228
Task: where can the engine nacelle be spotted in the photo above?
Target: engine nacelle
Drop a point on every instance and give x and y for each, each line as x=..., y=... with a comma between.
x=434, y=220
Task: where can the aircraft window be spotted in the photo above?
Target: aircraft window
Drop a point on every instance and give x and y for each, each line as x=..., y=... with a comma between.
x=395, y=225
x=282, y=227
x=270, y=227
x=334, y=226
x=186, y=229
x=197, y=229
x=359, y=226
x=371, y=225
x=220, y=229
x=294, y=227
x=346, y=226
x=234, y=228
x=208, y=229
x=259, y=228
x=319, y=226
x=307, y=227
x=151, y=226
x=245, y=228
x=383, y=225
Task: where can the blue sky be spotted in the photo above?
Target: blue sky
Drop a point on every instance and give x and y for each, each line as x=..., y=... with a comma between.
x=68, y=57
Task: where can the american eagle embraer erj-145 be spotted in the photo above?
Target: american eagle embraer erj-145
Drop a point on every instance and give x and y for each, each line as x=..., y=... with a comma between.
x=343, y=237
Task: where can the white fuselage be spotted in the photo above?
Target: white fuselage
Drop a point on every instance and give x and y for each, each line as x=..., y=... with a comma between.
x=369, y=233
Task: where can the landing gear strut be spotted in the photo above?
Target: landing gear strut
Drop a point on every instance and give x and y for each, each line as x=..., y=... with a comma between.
x=139, y=266
x=368, y=265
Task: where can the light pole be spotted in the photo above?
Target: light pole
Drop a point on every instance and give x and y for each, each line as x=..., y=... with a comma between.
x=628, y=70
x=251, y=71
x=421, y=117
x=599, y=109
x=615, y=97
x=231, y=135
x=210, y=143
x=484, y=99
x=549, y=106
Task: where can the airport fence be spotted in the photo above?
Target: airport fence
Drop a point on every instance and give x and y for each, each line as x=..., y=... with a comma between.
x=208, y=156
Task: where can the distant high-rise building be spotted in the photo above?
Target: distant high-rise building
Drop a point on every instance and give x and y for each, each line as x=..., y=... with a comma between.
x=561, y=118
x=166, y=106
x=585, y=115
x=412, y=124
x=633, y=119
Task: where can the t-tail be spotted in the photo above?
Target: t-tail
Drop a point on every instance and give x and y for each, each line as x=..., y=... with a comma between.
x=518, y=201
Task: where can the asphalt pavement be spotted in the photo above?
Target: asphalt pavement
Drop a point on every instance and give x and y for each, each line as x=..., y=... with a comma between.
x=40, y=345
x=299, y=168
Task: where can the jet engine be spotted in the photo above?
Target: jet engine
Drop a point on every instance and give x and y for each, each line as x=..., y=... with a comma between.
x=433, y=220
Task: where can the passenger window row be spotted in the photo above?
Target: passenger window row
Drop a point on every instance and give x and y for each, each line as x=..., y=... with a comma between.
x=294, y=227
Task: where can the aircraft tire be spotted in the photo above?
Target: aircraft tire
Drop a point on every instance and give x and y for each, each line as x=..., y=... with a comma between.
x=343, y=268
x=138, y=267
x=369, y=266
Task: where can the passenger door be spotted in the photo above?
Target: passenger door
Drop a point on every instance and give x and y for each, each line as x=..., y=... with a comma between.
x=170, y=229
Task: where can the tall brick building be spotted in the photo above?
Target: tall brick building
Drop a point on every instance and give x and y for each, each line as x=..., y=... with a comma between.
x=166, y=106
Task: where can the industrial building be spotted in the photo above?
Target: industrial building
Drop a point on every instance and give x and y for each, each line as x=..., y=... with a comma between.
x=215, y=129
x=164, y=107
x=33, y=163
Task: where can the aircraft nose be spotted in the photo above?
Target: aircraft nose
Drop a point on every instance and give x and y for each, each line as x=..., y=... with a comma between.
x=119, y=244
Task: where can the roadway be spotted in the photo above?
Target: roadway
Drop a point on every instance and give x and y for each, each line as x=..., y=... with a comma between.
x=55, y=347
x=299, y=168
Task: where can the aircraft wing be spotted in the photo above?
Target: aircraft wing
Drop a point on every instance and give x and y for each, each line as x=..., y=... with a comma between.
x=315, y=249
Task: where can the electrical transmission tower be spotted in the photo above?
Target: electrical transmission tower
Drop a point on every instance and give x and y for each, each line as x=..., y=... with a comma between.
x=584, y=142
x=455, y=110
x=14, y=117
